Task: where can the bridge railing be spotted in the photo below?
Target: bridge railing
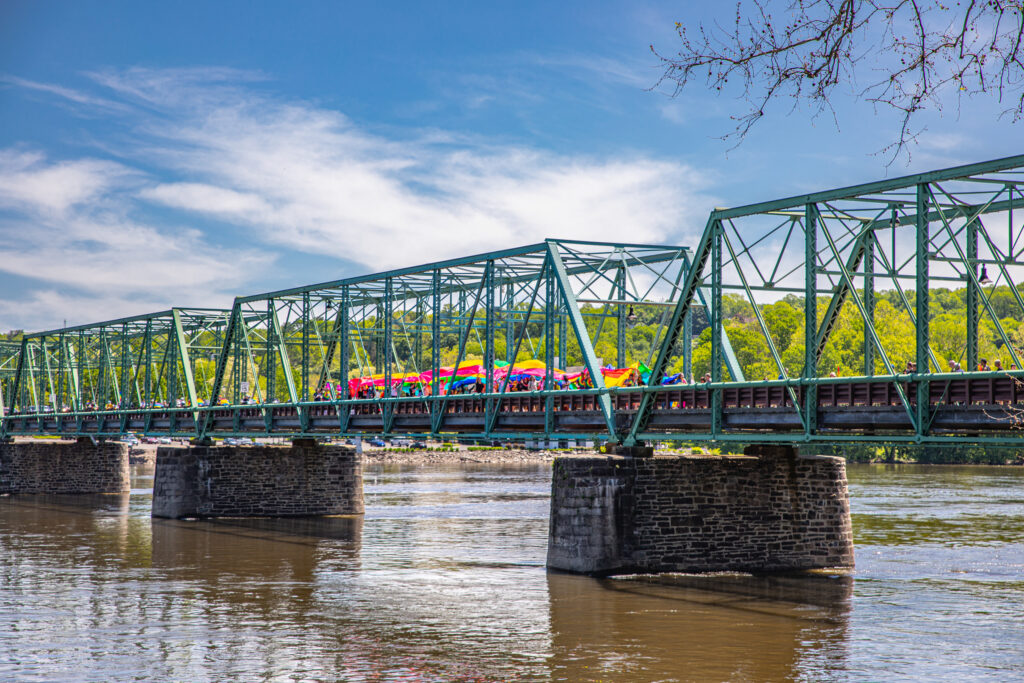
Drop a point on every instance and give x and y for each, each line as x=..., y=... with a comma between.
x=972, y=402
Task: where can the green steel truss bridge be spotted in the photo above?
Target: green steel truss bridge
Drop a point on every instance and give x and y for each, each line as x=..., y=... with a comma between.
x=277, y=364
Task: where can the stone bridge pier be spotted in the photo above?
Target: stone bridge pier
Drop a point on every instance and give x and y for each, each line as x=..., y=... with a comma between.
x=768, y=510
x=305, y=479
x=51, y=466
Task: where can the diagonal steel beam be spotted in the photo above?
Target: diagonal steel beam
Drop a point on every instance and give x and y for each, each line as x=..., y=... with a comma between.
x=701, y=254
x=586, y=346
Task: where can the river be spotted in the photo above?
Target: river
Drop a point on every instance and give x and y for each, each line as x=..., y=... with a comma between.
x=444, y=580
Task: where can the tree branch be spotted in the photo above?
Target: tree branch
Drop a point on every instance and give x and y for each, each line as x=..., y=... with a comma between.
x=916, y=51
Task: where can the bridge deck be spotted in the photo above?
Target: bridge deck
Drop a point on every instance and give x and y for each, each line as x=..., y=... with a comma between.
x=958, y=404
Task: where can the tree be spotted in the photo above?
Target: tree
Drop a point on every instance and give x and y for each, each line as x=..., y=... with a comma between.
x=912, y=54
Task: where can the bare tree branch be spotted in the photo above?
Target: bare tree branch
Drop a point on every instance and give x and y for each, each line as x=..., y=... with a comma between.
x=911, y=53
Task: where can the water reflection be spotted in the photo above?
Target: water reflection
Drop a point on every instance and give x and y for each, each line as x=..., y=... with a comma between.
x=75, y=529
x=444, y=580
x=727, y=627
x=253, y=549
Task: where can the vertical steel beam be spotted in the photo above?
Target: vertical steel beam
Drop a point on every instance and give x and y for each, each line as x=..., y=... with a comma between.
x=61, y=370
x=234, y=348
x=435, y=338
x=810, y=373
x=388, y=406
x=489, y=329
x=171, y=363
x=3, y=413
x=101, y=379
x=869, y=301
x=345, y=341
x=687, y=335
x=620, y=337
x=550, y=310
x=49, y=375
x=147, y=390
x=972, y=295
x=687, y=332
x=138, y=369
x=82, y=365
x=269, y=362
x=388, y=330
x=125, y=394
x=717, y=328
x=922, y=307
x=32, y=393
x=510, y=322
x=71, y=368
x=282, y=350
x=304, y=395
x=443, y=401
x=418, y=343
x=563, y=335
x=489, y=354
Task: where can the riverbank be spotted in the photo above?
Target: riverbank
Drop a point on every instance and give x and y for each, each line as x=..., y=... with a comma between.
x=498, y=456
x=145, y=454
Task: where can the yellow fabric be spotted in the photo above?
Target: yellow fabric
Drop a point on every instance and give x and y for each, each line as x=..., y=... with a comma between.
x=613, y=381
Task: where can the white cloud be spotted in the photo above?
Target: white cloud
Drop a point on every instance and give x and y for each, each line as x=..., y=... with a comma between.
x=28, y=183
x=207, y=198
x=70, y=94
x=69, y=226
x=308, y=178
x=300, y=177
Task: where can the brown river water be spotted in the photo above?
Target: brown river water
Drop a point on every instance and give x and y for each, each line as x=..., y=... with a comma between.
x=444, y=580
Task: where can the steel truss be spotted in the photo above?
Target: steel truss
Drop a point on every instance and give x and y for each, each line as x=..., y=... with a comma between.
x=283, y=358
x=841, y=248
x=9, y=351
x=279, y=363
x=146, y=364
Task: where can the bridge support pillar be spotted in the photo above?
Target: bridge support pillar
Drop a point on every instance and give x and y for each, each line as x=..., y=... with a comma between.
x=52, y=466
x=303, y=480
x=615, y=515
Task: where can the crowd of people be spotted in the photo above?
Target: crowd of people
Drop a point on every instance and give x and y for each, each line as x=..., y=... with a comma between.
x=469, y=378
x=983, y=366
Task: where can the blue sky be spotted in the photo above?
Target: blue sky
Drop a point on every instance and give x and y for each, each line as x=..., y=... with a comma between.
x=159, y=154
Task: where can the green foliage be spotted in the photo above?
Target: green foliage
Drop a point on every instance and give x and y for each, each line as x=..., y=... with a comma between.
x=844, y=351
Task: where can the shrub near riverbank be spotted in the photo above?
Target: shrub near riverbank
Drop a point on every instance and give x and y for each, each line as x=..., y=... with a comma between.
x=928, y=455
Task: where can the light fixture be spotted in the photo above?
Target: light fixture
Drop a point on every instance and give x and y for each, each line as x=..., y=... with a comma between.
x=631, y=316
x=984, y=279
